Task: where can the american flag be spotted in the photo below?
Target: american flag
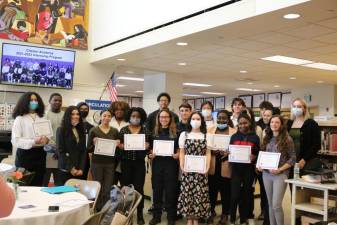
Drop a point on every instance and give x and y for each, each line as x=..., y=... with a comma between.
x=112, y=88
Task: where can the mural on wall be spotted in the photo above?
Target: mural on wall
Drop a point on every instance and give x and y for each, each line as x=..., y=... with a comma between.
x=61, y=23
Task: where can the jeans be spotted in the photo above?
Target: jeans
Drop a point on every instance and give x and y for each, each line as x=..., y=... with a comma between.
x=275, y=188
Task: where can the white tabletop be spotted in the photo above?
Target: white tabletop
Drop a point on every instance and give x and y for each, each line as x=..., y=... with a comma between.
x=302, y=183
x=74, y=208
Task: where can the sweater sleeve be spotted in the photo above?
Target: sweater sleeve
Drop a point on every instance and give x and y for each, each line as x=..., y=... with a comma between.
x=291, y=153
x=91, y=137
x=312, y=141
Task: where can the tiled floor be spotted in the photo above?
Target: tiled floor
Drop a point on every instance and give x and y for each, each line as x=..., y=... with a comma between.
x=286, y=207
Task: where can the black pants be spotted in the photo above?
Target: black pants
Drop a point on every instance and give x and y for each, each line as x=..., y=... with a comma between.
x=86, y=169
x=241, y=190
x=217, y=184
x=133, y=172
x=165, y=179
x=63, y=177
x=48, y=173
x=33, y=160
x=264, y=200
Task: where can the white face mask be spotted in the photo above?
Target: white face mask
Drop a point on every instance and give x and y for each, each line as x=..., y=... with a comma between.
x=206, y=112
x=297, y=111
x=195, y=124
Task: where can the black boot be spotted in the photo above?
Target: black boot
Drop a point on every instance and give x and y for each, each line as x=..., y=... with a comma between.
x=155, y=221
x=140, y=219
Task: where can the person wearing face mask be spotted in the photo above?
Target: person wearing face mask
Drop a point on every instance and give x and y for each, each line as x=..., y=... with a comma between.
x=164, y=169
x=102, y=166
x=206, y=111
x=133, y=162
x=193, y=202
x=55, y=115
x=219, y=172
x=306, y=135
x=70, y=145
x=243, y=173
x=237, y=106
x=30, y=154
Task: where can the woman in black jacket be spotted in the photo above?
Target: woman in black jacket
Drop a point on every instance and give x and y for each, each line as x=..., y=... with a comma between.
x=306, y=135
x=70, y=142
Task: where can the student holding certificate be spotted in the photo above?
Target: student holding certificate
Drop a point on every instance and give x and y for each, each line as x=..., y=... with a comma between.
x=103, y=165
x=70, y=145
x=219, y=172
x=193, y=202
x=30, y=154
x=164, y=157
x=133, y=158
x=243, y=173
x=277, y=140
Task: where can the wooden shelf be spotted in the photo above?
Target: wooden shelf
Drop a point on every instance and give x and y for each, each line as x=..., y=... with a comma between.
x=313, y=208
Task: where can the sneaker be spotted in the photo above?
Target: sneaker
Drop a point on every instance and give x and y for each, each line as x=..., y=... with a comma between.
x=251, y=222
x=154, y=221
x=149, y=211
x=140, y=220
x=210, y=220
x=223, y=220
x=261, y=217
x=170, y=222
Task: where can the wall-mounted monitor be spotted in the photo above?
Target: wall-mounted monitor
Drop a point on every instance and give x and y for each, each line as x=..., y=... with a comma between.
x=37, y=66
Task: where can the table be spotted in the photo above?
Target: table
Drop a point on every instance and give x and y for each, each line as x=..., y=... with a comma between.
x=74, y=208
x=302, y=201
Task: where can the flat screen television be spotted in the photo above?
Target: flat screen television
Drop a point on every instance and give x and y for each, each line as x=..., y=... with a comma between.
x=37, y=66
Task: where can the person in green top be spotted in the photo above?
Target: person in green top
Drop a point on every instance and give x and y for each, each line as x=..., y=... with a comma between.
x=102, y=166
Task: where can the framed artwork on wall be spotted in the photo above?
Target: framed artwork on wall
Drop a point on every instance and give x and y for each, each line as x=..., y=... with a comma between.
x=219, y=102
x=191, y=102
x=247, y=99
x=211, y=99
x=257, y=99
x=198, y=103
x=275, y=98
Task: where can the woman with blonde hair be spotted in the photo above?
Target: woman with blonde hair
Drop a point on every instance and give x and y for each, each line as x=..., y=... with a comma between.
x=306, y=135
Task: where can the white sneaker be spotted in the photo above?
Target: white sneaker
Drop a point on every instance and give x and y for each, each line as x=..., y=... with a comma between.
x=251, y=221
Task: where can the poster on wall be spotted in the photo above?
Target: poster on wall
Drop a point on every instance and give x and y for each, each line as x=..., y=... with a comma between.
x=286, y=100
x=247, y=99
x=60, y=23
x=219, y=102
x=136, y=102
x=191, y=102
x=275, y=98
x=198, y=103
x=257, y=99
x=211, y=100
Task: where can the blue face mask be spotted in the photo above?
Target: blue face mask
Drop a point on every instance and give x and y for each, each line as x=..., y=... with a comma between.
x=222, y=126
x=33, y=105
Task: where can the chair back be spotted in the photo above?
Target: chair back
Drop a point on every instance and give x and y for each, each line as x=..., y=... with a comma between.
x=137, y=201
x=88, y=188
x=95, y=219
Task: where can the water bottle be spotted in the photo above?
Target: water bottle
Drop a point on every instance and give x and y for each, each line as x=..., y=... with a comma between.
x=297, y=171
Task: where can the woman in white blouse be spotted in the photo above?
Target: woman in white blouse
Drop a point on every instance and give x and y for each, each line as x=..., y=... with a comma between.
x=30, y=154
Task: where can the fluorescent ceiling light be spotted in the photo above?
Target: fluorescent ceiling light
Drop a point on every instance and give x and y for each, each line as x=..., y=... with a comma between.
x=243, y=71
x=320, y=81
x=322, y=66
x=182, y=64
x=276, y=86
x=120, y=85
x=286, y=59
x=139, y=91
x=121, y=59
x=292, y=78
x=181, y=43
x=196, y=85
x=247, y=89
x=130, y=72
x=191, y=95
x=212, y=93
x=291, y=16
x=250, y=83
x=130, y=78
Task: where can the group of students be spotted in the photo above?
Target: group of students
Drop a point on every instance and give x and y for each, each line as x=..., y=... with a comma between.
x=191, y=195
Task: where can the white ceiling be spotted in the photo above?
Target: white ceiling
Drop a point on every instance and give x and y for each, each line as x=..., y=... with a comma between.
x=217, y=55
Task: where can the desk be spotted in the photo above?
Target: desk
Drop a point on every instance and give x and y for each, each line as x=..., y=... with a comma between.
x=74, y=208
x=300, y=202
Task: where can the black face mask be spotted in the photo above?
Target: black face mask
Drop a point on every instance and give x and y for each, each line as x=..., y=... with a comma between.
x=84, y=114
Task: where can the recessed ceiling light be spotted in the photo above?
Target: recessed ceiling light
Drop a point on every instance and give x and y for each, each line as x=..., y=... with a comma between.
x=191, y=95
x=139, y=91
x=291, y=16
x=247, y=89
x=243, y=71
x=130, y=78
x=181, y=43
x=250, y=83
x=286, y=59
x=212, y=93
x=182, y=64
x=130, y=72
x=320, y=81
x=276, y=86
x=121, y=59
x=322, y=66
x=120, y=85
x=196, y=85
x=292, y=78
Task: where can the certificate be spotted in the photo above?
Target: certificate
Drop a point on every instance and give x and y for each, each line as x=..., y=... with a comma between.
x=42, y=128
x=105, y=147
x=163, y=148
x=268, y=160
x=239, y=153
x=221, y=142
x=195, y=164
x=134, y=141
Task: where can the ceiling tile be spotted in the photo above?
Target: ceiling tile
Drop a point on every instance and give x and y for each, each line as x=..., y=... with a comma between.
x=325, y=49
x=329, y=38
x=273, y=38
x=308, y=31
x=331, y=23
x=304, y=44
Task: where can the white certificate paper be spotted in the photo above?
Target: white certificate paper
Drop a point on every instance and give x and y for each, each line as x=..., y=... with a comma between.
x=221, y=142
x=134, y=141
x=239, y=153
x=195, y=164
x=42, y=128
x=163, y=148
x=268, y=160
x=105, y=147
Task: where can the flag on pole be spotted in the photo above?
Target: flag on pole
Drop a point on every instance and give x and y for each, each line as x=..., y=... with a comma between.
x=112, y=88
